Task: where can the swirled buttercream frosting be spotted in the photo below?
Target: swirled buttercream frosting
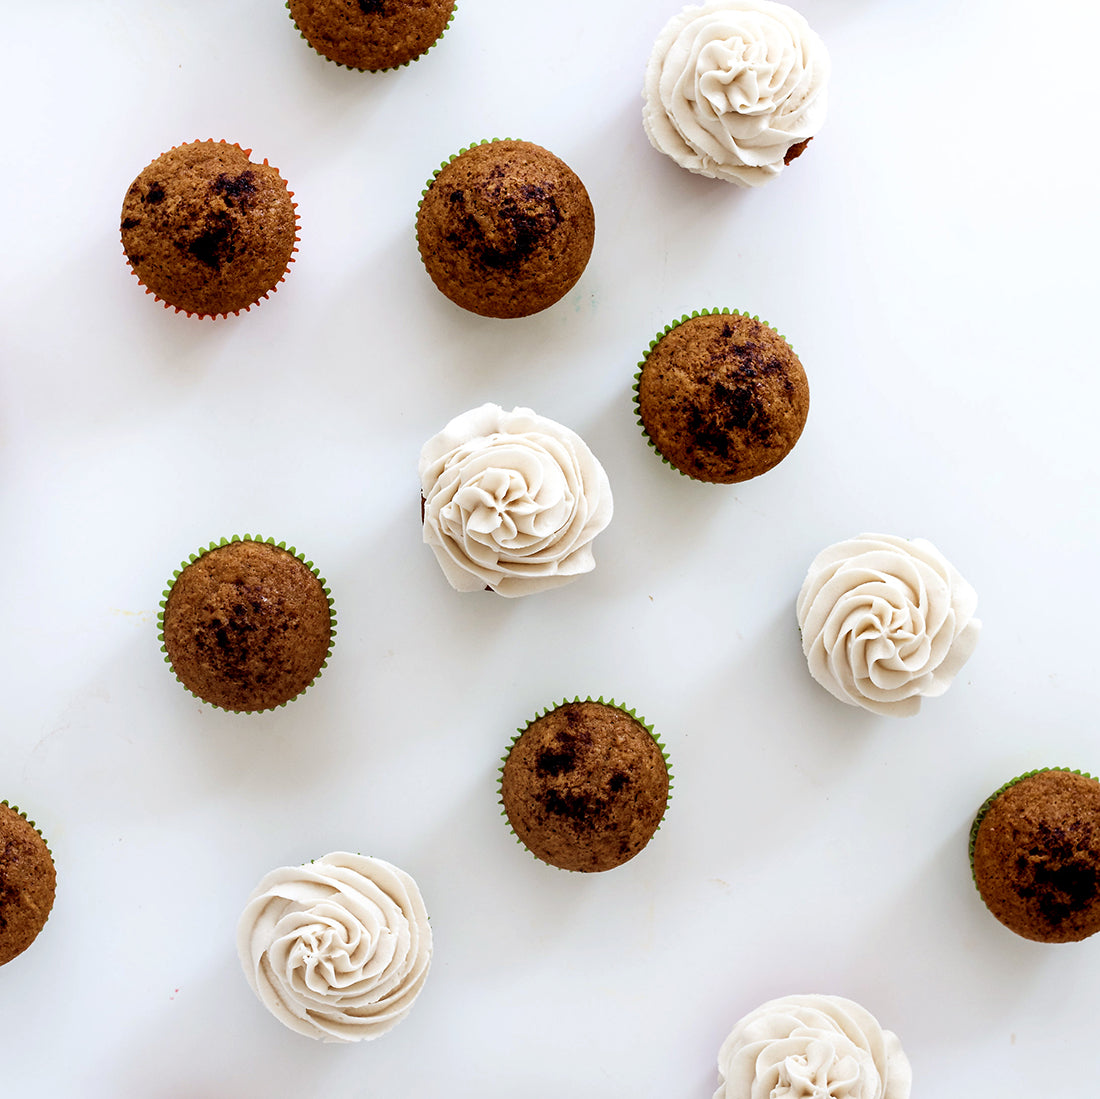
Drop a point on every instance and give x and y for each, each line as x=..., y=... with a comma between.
x=884, y=621
x=812, y=1047
x=735, y=89
x=512, y=501
x=337, y=949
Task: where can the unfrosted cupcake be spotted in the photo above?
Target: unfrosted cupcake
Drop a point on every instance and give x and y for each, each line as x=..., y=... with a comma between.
x=208, y=231
x=736, y=89
x=505, y=228
x=1035, y=855
x=512, y=501
x=585, y=785
x=812, y=1046
x=371, y=34
x=246, y=624
x=885, y=622
x=28, y=882
x=337, y=949
x=721, y=396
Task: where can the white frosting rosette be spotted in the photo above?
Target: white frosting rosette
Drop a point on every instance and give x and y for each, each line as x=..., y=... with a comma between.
x=884, y=621
x=512, y=501
x=337, y=949
x=731, y=86
x=812, y=1047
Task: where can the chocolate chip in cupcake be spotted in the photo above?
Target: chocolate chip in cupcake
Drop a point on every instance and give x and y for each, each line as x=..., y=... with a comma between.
x=722, y=396
x=505, y=229
x=585, y=786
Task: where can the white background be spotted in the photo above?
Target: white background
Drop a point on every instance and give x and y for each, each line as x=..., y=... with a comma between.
x=932, y=259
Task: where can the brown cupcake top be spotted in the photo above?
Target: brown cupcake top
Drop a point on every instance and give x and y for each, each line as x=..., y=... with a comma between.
x=1036, y=856
x=207, y=230
x=722, y=397
x=247, y=626
x=371, y=34
x=505, y=229
x=585, y=786
x=27, y=883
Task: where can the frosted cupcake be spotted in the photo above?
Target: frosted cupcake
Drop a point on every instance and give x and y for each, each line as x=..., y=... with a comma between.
x=337, y=949
x=824, y=1047
x=736, y=89
x=886, y=622
x=512, y=501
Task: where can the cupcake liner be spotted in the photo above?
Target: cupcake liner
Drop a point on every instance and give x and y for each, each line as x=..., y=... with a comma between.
x=984, y=808
x=224, y=542
x=549, y=709
x=653, y=343
x=262, y=297
x=355, y=68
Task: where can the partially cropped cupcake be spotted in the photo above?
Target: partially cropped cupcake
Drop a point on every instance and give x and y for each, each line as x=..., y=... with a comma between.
x=736, y=89
x=247, y=624
x=28, y=882
x=885, y=622
x=812, y=1046
x=1035, y=855
x=585, y=785
x=208, y=231
x=721, y=396
x=337, y=949
x=371, y=34
x=512, y=501
x=505, y=228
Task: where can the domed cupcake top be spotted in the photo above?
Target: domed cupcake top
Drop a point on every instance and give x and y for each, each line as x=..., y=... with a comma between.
x=28, y=882
x=207, y=230
x=505, y=228
x=1035, y=854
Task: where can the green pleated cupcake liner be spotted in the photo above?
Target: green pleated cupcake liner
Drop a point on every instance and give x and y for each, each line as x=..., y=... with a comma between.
x=217, y=545
x=355, y=68
x=984, y=808
x=629, y=711
x=715, y=312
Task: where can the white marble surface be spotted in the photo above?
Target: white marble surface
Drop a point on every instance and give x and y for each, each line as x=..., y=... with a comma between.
x=932, y=259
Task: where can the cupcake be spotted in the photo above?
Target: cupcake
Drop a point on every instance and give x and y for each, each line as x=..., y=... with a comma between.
x=505, y=228
x=27, y=882
x=1035, y=855
x=247, y=625
x=511, y=501
x=886, y=621
x=208, y=231
x=337, y=949
x=721, y=396
x=735, y=89
x=371, y=34
x=812, y=1045
x=585, y=785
